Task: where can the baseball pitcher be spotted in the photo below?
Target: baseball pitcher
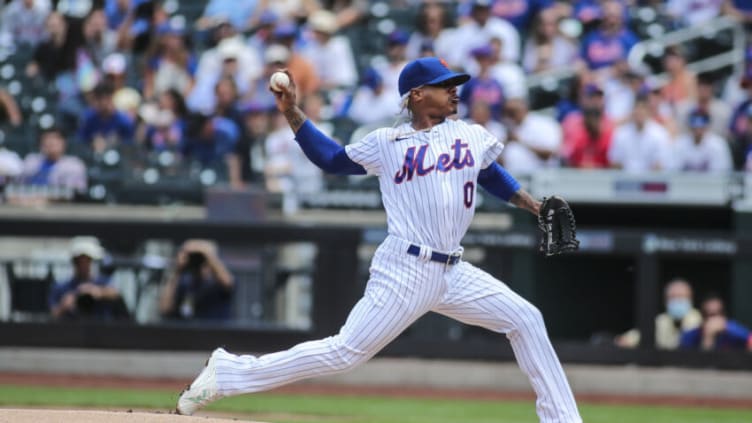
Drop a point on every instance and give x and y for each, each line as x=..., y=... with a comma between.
x=429, y=170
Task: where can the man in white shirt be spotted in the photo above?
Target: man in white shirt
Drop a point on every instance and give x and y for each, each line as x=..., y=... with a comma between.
x=213, y=64
x=233, y=59
x=477, y=32
x=509, y=74
x=330, y=54
x=533, y=139
x=701, y=150
x=640, y=144
x=694, y=12
x=372, y=102
x=389, y=69
x=24, y=20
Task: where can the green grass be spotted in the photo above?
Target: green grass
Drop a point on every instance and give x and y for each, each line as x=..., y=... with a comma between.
x=279, y=408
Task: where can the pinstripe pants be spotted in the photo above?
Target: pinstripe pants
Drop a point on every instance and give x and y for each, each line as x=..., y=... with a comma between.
x=400, y=290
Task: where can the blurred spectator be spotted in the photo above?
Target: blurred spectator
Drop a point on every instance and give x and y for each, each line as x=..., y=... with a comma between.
x=11, y=166
x=693, y=12
x=226, y=93
x=717, y=331
x=509, y=74
x=204, y=95
x=741, y=144
x=302, y=70
x=640, y=144
x=9, y=111
x=117, y=11
x=611, y=42
x=104, y=126
x=588, y=12
x=287, y=170
x=348, y=12
x=164, y=122
x=255, y=127
x=371, y=102
x=291, y=9
x=680, y=316
x=739, y=9
x=230, y=58
x=51, y=166
x=227, y=107
x=739, y=122
x=264, y=33
x=95, y=42
x=682, y=83
x=326, y=49
x=240, y=13
x=86, y=295
x=719, y=111
x=114, y=68
x=170, y=63
x=662, y=112
x=588, y=133
x=24, y=21
x=396, y=45
x=210, y=140
x=477, y=32
x=701, y=150
x=276, y=57
x=547, y=49
x=432, y=29
x=56, y=54
x=621, y=90
x=483, y=87
x=200, y=287
x=519, y=13
x=570, y=100
x=480, y=113
x=126, y=99
x=533, y=139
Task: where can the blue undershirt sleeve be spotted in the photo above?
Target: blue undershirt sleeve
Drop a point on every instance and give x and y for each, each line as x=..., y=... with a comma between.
x=496, y=180
x=325, y=153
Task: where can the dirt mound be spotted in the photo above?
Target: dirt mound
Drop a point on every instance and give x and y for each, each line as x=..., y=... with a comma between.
x=90, y=416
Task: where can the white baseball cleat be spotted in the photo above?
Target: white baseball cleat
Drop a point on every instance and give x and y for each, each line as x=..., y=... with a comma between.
x=204, y=388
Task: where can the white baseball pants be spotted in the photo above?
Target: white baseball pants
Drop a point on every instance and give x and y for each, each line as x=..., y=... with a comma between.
x=400, y=290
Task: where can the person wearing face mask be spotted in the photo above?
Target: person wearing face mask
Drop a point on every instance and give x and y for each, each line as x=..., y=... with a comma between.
x=680, y=316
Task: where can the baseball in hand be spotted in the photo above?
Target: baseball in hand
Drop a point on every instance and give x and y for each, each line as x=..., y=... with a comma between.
x=279, y=81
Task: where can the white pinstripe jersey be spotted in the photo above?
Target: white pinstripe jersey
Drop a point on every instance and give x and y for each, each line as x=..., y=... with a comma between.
x=428, y=178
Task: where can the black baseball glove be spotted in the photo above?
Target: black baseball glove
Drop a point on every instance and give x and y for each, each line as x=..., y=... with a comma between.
x=556, y=221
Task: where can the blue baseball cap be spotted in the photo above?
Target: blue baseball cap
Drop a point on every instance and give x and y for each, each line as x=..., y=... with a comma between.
x=398, y=37
x=699, y=119
x=372, y=79
x=268, y=18
x=428, y=71
x=482, y=51
x=286, y=30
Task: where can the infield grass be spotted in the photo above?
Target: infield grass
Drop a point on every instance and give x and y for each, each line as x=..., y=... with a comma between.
x=278, y=408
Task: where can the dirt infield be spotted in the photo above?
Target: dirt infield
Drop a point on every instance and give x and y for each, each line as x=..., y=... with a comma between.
x=9, y=415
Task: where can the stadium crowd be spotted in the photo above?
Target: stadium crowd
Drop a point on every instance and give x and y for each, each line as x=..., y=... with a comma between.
x=93, y=83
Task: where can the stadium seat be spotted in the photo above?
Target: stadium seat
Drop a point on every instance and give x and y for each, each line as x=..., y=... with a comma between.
x=28, y=294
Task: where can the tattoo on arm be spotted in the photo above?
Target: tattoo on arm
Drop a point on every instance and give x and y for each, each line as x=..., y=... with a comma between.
x=523, y=200
x=295, y=117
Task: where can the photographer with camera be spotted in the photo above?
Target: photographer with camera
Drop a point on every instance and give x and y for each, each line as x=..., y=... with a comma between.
x=200, y=287
x=88, y=294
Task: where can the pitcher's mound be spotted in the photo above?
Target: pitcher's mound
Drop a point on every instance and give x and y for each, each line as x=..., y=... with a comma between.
x=91, y=416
